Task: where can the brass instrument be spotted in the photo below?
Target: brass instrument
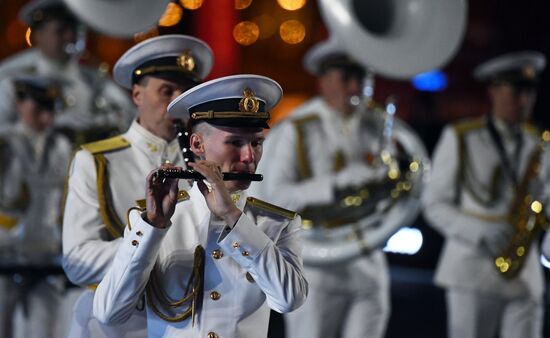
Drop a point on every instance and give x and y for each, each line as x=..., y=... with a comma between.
x=526, y=215
x=336, y=233
x=396, y=39
x=120, y=18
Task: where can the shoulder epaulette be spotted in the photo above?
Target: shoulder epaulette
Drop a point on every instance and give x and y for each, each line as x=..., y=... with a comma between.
x=182, y=196
x=468, y=125
x=306, y=119
x=106, y=145
x=531, y=129
x=271, y=208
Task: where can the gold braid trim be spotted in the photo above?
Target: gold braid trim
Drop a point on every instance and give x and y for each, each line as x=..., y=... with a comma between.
x=304, y=170
x=165, y=68
x=531, y=129
x=108, y=215
x=228, y=115
x=195, y=283
x=7, y=222
x=339, y=162
x=461, y=129
x=271, y=208
x=138, y=208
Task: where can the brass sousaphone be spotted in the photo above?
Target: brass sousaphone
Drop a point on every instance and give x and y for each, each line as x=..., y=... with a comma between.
x=396, y=39
x=120, y=18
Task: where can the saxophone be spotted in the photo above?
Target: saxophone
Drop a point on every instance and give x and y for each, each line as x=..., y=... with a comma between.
x=526, y=215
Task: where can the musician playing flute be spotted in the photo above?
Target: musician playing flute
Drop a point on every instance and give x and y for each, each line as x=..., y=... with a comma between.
x=218, y=271
x=484, y=191
x=105, y=177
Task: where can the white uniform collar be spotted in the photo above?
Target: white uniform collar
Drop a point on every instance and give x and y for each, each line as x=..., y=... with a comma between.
x=509, y=133
x=239, y=198
x=46, y=65
x=36, y=139
x=343, y=131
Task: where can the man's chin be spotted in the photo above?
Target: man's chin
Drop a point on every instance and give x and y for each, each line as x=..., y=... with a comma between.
x=234, y=186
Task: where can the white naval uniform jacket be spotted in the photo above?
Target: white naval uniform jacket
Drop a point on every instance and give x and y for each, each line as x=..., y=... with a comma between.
x=84, y=90
x=325, y=134
x=95, y=214
x=249, y=269
x=32, y=175
x=458, y=209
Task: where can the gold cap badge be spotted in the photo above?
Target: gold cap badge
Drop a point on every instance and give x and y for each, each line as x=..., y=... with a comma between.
x=52, y=93
x=186, y=61
x=249, y=103
x=528, y=72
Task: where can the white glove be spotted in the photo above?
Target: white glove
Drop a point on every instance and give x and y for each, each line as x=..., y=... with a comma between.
x=357, y=174
x=496, y=237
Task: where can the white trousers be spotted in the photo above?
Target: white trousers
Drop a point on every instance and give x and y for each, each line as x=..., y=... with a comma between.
x=475, y=315
x=344, y=315
x=31, y=310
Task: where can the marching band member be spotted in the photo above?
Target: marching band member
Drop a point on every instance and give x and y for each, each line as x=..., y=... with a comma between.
x=483, y=170
x=319, y=149
x=105, y=175
x=33, y=164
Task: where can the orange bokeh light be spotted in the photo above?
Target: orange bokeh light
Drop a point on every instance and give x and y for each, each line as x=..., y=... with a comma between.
x=172, y=15
x=292, y=31
x=191, y=4
x=291, y=5
x=242, y=4
x=28, y=34
x=246, y=33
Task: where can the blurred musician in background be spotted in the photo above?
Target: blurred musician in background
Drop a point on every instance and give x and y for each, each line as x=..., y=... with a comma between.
x=104, y=175
x=324, y=147
x=94, y=105
x=484, y=188
x=33, y=165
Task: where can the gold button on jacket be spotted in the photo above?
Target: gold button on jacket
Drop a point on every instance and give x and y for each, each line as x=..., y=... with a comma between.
x=217, y=254
x=215, y=295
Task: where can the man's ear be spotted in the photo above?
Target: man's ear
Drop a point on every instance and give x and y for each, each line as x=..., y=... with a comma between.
x=137, y=94
x=196, y=141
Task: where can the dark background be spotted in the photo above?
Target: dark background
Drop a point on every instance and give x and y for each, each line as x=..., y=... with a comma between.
x=494, y=27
